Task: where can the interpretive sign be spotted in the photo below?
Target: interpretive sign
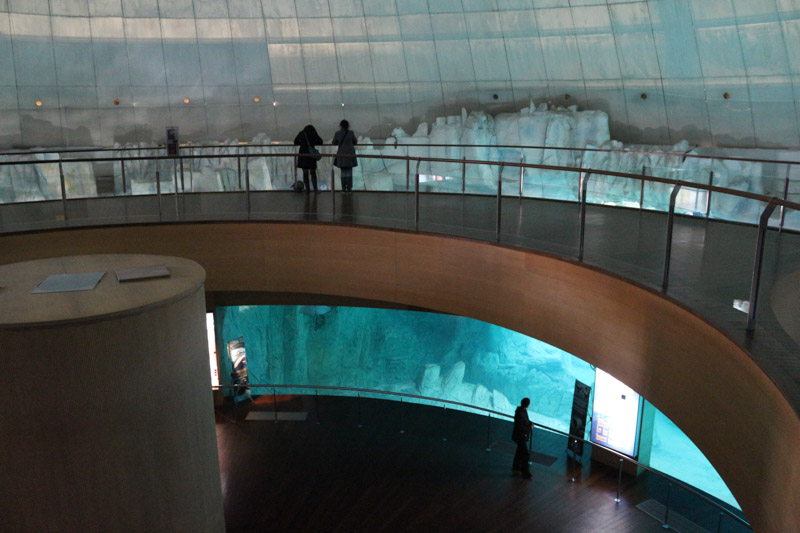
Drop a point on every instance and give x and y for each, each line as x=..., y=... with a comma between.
x=615, y=414
x=85, y=281
x=239, y=369
x=577, y=424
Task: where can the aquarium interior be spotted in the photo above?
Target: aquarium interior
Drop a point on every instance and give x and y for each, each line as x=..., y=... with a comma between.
x=438, y=356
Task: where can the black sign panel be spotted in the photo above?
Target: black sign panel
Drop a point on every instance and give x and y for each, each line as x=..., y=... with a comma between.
x=577, y=424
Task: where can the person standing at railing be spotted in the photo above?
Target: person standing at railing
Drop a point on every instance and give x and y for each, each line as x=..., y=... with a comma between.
x=307, y=139
x=346, y=141
x=520, y=435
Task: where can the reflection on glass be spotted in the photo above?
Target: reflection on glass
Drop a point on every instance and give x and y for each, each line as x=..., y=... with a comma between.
x=433, y=355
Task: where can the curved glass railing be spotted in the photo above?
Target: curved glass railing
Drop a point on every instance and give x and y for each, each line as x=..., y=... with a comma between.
x=218, y=168
x=43, y=190
x=668, y=499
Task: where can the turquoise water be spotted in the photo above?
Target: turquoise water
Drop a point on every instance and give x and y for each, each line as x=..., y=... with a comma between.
x=439, y=356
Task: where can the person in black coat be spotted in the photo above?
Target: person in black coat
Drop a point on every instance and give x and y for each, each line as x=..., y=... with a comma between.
x=521, y=434
x=346, y=141
x=306, y=140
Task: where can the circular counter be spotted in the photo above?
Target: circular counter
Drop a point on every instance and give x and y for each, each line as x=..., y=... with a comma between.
x=107, y=412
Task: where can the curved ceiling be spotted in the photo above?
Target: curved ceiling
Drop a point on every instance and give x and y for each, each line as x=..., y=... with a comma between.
x=713, y=72
x=698, y=377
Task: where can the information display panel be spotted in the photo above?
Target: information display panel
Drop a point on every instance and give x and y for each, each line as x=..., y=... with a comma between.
x=213, y=361
x=615, y=415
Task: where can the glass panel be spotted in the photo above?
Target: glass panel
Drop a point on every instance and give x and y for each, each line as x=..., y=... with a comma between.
x=673, y=453
x=478, y=363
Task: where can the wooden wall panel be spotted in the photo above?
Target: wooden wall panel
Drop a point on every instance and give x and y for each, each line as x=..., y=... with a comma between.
x=699, y=378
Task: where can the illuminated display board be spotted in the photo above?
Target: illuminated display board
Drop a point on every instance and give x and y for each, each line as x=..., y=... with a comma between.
x=212, y=350
x=615, y=414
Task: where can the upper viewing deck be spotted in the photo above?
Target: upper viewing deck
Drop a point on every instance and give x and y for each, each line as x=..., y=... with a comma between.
x=663, y=236
x=703, y=257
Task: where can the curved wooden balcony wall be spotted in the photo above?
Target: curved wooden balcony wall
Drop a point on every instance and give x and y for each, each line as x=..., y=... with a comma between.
x=698, y=377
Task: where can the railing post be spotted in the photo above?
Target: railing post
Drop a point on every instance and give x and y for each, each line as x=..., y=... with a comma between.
x=444, y=422
x=408, y=171
x=316, y=406
x=175, y=184
x=572, y=468
x=183, y=184
x=489, y=433
x=708, y=196
x=584, y=184
x=191, y=169
x=619, y=481
x=247, y=184
x=63, y=190
x=763, y=224
x=665, y=525
x=499, y=202
x=333, y=193
x=402, y=425
x=124, y=185
x=274, y=406
x=719, y=522
x=158, y=192
x=641, y=189
x=416, y=197
x=785, y=196
x=521, y=174
x=463, y=174
x=670, y=222
x=358, y=410
x=239, y=168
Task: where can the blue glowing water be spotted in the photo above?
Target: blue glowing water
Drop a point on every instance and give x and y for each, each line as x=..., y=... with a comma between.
x=439, y=356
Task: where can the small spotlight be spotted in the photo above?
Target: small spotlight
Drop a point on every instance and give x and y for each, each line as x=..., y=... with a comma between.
x=186, y=100
x=38, y=103
x=256, y=99
x=116, y=101
x=644, y=96
x=342, y=104
x=274, y=103
x=726, y=96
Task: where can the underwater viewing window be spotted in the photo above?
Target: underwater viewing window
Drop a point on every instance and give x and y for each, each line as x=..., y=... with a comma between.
x=451, y=358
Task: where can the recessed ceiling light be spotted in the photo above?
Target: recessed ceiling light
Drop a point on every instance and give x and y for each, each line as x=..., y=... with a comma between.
x=186, y=100
x=38, y=103
x=256, y=99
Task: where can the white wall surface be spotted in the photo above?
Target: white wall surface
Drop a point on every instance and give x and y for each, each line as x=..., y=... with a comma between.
x=393, y=63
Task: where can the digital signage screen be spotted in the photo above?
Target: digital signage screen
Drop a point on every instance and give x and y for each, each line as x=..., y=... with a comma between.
x=615, y=414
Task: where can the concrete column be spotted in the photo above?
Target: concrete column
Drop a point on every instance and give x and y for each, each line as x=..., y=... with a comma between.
x=105, y=402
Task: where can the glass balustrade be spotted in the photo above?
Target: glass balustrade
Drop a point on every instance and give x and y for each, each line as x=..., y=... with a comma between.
x=240, y=182
x=666, y=499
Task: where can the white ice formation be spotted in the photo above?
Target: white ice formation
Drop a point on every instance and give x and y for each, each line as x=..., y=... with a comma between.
x=563, y=137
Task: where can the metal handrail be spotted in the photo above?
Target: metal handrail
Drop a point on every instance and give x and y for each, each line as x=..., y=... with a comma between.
x=556, y=168
x=583, y=173
x=682, y=155
x=621, y=456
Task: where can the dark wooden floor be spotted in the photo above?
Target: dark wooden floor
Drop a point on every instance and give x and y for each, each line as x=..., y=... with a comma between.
x=355, y=471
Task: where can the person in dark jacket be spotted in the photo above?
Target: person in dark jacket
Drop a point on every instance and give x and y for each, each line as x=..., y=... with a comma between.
x=346, y=141
x=306, y=140
x=521, y=434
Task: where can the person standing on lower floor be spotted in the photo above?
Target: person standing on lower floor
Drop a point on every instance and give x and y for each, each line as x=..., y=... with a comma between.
x=521, y=435
x=307, y=139
x=346, y=141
